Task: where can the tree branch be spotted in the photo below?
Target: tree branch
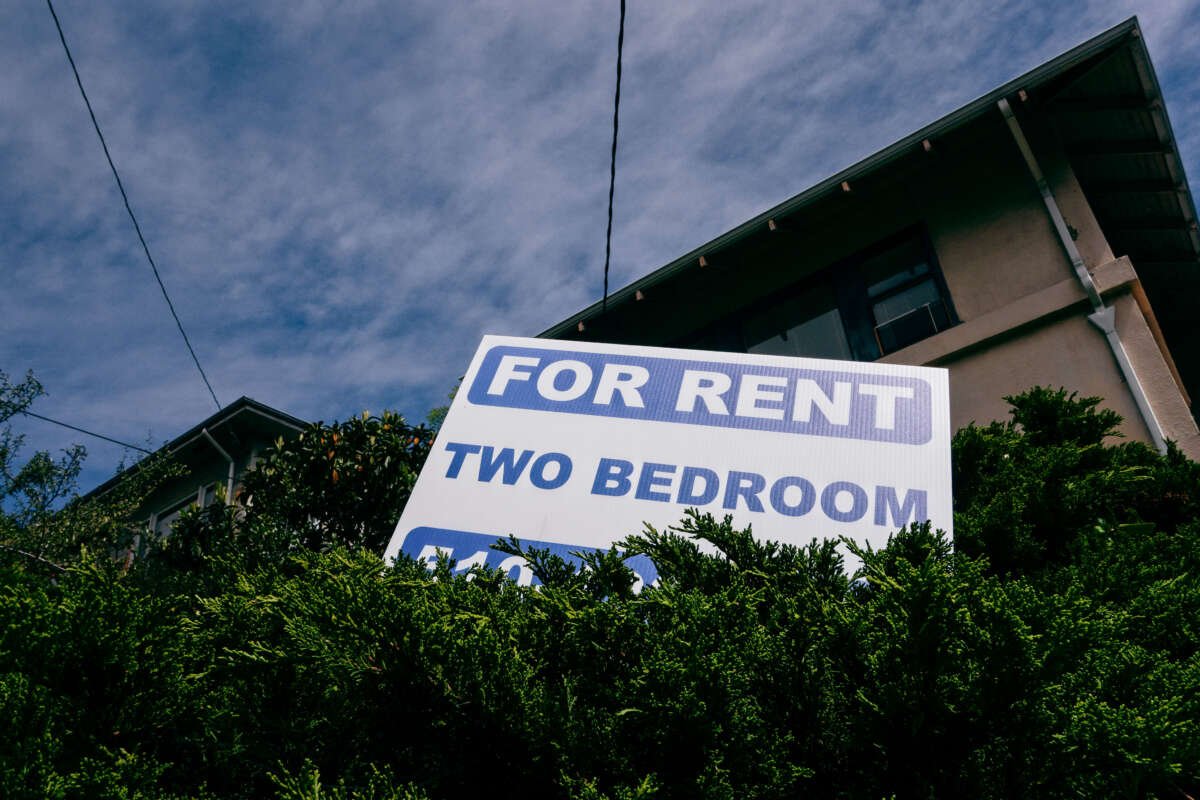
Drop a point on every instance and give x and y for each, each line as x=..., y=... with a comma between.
x=45, y=561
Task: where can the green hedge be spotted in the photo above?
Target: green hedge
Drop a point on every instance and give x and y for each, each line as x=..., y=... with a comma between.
x=1052, y=653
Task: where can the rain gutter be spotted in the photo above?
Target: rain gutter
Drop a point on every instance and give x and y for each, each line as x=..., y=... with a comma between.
x=1102, y=316
x=229, y=484
x=833, y=184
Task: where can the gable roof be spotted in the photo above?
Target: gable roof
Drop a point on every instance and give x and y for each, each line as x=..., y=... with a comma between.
x=244, y=409
x=1107, y=109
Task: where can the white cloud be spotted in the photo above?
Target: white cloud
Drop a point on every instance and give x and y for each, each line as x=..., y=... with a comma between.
x=342, y=199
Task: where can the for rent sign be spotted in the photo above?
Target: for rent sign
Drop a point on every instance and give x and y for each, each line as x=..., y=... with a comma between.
x=573, y=445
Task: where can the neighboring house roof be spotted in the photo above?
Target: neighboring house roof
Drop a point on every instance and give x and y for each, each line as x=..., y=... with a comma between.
x=228, y=425
x=1107, y=110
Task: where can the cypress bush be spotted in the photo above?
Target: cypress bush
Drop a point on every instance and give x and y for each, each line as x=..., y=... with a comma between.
x=1052, y=650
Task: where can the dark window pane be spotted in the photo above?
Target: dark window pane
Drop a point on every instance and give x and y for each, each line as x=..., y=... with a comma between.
x=867, y=305
x=822, y=336
x=721, y=338
x=902, y=302
x=894, y=267
x=806, y=324
x=919, y=323
x=905, y=298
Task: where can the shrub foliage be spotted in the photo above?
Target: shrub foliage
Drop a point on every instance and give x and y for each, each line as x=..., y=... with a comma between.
x=1054, y=651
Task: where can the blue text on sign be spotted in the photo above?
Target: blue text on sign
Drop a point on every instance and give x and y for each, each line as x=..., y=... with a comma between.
x=475, y=549
x=788, y=495
x=848, y=405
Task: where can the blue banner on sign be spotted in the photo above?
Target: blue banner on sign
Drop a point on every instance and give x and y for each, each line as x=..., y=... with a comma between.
x=817, y=402
x=471, y=549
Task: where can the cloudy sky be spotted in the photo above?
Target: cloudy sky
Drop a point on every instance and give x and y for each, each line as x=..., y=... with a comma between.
x=343, y=197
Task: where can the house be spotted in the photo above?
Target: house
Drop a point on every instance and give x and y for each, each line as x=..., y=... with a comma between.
x=1043, y=234
x=217, y=453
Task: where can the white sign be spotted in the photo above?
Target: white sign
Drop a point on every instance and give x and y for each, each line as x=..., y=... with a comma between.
x=574, y=445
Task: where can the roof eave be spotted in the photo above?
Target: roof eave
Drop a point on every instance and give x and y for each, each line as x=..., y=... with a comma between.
x=973, y=110
x=223, y=416
x=1154, y=90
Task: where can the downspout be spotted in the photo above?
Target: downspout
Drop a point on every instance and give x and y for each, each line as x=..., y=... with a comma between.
x=1102, y=316
x=229, y=458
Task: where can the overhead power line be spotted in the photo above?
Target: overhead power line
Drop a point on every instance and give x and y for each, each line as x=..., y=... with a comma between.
x=120, y=186
x=87, y=432
x=612, y=173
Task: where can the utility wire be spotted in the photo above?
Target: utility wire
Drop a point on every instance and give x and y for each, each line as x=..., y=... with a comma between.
x=89, y=433
x=125, y=197
x=612, y=174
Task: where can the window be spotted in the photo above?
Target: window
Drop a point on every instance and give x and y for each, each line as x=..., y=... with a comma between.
x=906, y=300
x=806, y=324
x=163, y=521
x=876, y=302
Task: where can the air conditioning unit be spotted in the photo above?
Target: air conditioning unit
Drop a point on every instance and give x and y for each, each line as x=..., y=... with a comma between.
x=912, y=326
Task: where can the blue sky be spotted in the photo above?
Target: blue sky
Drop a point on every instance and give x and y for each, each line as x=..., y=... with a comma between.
x=342, y=198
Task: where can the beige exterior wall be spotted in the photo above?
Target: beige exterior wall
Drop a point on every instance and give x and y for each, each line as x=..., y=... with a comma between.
x=1022, y=311
x=1152, y=364
x=1045, y=339
x=990, y=228
x=990, y=231
x=1057, y=351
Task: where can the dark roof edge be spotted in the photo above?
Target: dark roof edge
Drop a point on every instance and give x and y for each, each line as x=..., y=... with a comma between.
x=976, y=108
x=227, y=413
x=1143, y=53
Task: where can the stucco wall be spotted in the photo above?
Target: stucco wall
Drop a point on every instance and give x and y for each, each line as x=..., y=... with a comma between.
x=1022, y=309
x=1158, y=381
x=1045, y=339
x=989, y=224
x=1064, y=350
x=985, y=217
x=973, y=193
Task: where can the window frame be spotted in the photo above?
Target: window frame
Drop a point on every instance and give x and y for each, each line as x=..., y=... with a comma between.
x=851, y=299
x=195, y=498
